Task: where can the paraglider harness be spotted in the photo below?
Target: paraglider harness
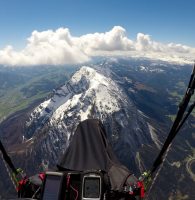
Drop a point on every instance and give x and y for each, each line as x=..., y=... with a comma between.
x=93, y=185
x=84, y=185
x=81, y=180
x=96, y=184
x=71, y=185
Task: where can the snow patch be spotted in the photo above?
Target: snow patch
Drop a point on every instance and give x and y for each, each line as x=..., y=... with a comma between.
x=77, y=97
x=154, y=136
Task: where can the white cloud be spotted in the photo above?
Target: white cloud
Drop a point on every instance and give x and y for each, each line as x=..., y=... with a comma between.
x=47, y=47
x=60, y=47
x=114, y=40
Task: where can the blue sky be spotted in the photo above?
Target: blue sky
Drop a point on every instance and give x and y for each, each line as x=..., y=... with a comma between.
x=164, y=20
x=58, y=32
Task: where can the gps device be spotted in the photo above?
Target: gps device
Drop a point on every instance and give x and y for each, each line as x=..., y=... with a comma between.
x=91, y=186
x=53, y=186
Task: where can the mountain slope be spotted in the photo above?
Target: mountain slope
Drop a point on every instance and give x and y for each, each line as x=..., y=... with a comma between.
x=136, y=100
x=89, y=94
x=22, y=87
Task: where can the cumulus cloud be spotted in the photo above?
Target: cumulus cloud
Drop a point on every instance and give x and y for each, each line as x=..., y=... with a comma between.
x=114, y=40
x=47, y=47
x=59, y=47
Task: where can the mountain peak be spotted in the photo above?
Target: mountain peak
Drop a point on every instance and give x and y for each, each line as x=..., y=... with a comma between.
x=90, y=93
x=95, y=79
x=87, y=88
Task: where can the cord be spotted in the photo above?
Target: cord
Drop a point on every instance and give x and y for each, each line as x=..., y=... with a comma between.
x=76, y=191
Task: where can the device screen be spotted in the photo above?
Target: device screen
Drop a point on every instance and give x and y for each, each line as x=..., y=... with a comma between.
x=91, y=187
x=52, y=187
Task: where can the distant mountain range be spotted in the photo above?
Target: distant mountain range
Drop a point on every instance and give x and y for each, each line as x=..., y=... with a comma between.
x=135, y=99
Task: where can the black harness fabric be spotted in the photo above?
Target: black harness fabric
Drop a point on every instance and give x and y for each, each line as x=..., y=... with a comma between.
x=90, y=150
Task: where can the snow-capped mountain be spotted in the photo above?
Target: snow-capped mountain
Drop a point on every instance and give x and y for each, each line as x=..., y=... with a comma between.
x=89, y=94
x=136, y=99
